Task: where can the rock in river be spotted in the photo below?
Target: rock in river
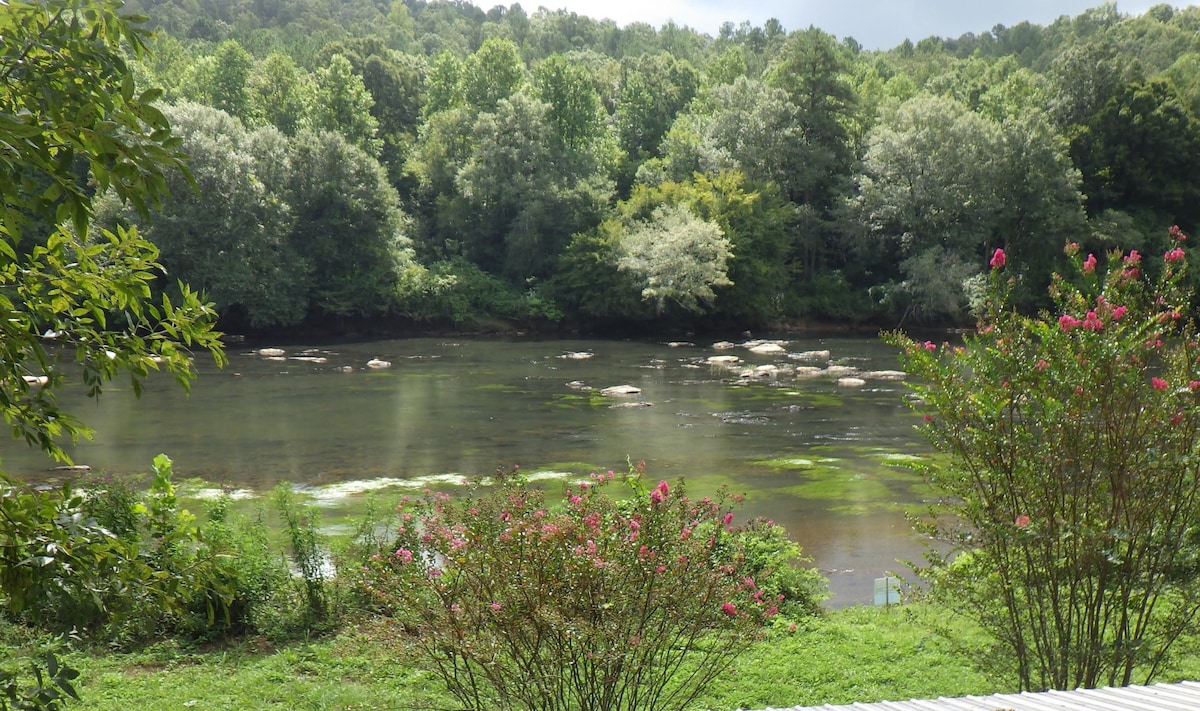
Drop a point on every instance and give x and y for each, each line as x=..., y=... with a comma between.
x=621, y=390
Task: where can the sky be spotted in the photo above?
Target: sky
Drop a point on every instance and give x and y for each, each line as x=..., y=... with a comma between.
x=876, y=24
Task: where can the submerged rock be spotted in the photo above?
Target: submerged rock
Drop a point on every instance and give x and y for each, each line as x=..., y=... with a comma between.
x=885, y=375
x=620, y=390
x=627, y=405
x=576, y=355
x=579, y=385
x=377, y=363
x=851, y=382
x=811, y=355
x=723, y=345
x=271, y=352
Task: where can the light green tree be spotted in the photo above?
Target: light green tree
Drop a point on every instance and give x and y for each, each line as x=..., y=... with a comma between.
x=676, y=257
x=343, y=105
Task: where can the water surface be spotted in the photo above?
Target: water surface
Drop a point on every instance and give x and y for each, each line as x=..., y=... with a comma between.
x=818, y=458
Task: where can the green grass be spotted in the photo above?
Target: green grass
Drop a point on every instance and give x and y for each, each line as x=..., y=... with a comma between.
x=861, y=654
x=857, y=654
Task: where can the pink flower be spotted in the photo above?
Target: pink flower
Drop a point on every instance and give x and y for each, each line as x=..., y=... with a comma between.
x=1194, y=385
x=1118, y=312
x=1177, y=234
x=404, y=555
x=1092, y=322
x=1175, y=255
x=495, y=607
x=1042, y=365
x=1158, y=383
x=998, y=259
x=729, y=609
x=929, y=346
x=728, y=518
x=1133, y=258
x=1022, y=521
x=1068, y=322
x=928, y=418
x=1071, y=249
x=660, y=493
x=1089, y=264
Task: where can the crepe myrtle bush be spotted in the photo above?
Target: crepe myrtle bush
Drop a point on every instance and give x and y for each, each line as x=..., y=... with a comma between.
x=1072, y=467
x=598, y=603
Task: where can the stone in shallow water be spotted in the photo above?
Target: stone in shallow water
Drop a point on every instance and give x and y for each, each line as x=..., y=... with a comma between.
x=621, y=390
x=270, y=352
x=885, y=375
x=851, y=382
x=767, y=349
x=723, y=345
x=576, y=355
x=377, y=363
x=723, y=360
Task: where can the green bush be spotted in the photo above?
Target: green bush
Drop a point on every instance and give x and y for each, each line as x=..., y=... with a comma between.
x=62, y=570
x=600, y=604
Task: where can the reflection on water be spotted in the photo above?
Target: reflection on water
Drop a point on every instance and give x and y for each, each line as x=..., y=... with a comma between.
x=808, y=453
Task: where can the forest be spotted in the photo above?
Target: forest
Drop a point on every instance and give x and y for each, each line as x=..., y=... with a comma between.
x=355, y=163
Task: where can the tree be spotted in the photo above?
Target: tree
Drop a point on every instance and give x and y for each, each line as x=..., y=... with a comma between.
x=494, y=72
x=281, y=93
x=1136, y=152
x=677, y=257
x=525, y=191
x=942, y=185
x=744, y=126
x=343, y=105
x=1071, y=471
x=76, y=303
x=348, y=226
x=812, y=69
x=68, y=105
x=229, y=237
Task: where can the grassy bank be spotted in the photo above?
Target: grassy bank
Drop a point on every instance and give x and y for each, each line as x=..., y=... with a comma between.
x=856, y=654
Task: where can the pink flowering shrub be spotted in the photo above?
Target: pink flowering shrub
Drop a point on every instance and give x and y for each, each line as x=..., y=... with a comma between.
x=594, y=603
x=1073, y=471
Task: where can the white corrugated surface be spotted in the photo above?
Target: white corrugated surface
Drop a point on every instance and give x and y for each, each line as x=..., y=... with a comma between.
x=1184, y=696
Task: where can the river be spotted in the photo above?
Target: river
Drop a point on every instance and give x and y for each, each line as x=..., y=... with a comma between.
x=822, y=459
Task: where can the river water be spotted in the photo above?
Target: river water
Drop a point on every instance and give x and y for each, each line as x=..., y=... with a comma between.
x=822, y=459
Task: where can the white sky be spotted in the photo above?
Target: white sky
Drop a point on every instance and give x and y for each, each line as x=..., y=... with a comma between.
x=876, y=24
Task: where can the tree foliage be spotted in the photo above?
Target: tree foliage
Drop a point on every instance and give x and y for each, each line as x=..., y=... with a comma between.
x=75, y=303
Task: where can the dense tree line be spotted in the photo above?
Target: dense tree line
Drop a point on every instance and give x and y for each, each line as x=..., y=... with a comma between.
x=433, y=162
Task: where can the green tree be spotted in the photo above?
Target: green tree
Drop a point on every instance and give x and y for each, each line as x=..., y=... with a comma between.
x=348, y=226
x=813, y=70
x=1071, y=471
x=942, y=185
x=229, y=237
x=281, y=93
x=525, y=192
x=343, y=105
x=72, y=121
x=1136, y=151
x=494, y=72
